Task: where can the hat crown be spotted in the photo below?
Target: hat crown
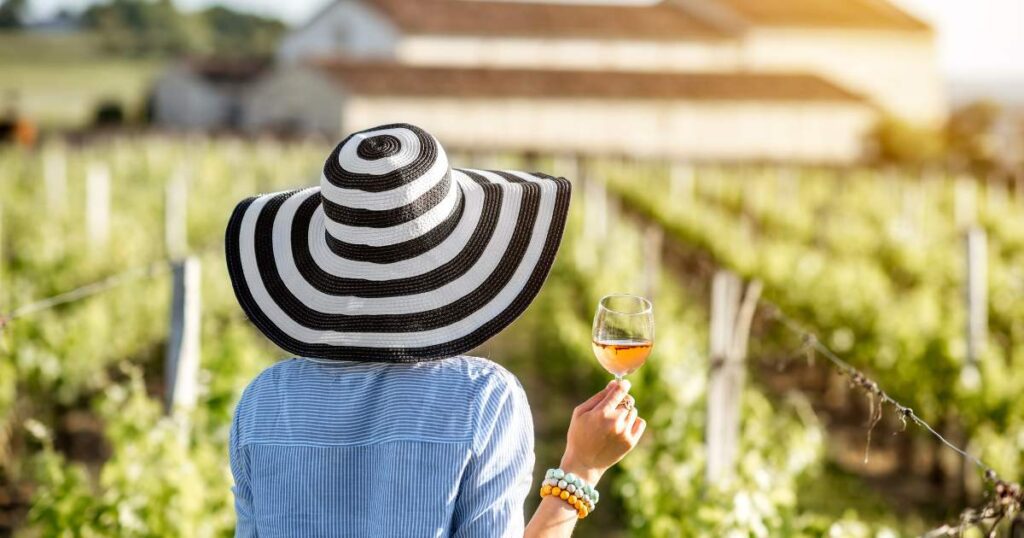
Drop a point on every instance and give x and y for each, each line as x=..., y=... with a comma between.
x=393, y=176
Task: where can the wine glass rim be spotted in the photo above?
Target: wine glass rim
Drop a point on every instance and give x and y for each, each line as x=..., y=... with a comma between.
x=647, y=305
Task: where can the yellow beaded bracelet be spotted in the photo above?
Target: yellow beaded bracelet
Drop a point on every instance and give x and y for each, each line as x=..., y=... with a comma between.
x=581, y=508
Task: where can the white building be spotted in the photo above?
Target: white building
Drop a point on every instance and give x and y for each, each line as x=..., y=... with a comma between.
x=204, y=95
x=739, y=116
x=869, y=46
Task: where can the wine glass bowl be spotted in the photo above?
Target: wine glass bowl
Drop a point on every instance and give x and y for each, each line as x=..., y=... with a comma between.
x=623, y=333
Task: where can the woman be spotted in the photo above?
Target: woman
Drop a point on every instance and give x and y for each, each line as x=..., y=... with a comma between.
x=380, y=279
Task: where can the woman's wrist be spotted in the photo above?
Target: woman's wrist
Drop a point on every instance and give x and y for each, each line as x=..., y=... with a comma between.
x=589, y=475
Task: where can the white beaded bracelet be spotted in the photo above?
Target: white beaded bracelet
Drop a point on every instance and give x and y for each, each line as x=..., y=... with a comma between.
x=558, y=481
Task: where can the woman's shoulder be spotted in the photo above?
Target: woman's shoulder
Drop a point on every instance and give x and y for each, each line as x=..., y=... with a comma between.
x=464, y=370
x=494, y=385
x=478, y=375
x=478, y=368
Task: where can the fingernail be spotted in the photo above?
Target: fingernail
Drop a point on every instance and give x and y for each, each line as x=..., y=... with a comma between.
x=612, y=382
x=626, y=384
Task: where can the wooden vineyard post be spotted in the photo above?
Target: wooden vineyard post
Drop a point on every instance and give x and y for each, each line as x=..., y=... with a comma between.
x=732, y=312
x=176, y=216
x=960, y=480
x=97, y=204
x=976, y=297
x=181, y=368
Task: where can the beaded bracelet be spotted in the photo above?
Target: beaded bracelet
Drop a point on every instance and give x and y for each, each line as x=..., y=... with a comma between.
x=571, y=489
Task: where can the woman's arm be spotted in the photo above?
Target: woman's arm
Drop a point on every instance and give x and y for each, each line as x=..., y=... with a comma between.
x=600, y=435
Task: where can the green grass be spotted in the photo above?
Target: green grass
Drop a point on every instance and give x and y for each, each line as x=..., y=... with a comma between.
x=59, y=79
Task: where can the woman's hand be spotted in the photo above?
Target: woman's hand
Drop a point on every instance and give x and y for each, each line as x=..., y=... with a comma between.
x=601, y=433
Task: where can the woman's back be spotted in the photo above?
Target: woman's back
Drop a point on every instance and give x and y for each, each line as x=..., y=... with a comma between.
x=398, y=259
x=373, y=449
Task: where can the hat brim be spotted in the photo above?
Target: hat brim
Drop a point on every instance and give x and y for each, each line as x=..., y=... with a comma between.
x=316, y=296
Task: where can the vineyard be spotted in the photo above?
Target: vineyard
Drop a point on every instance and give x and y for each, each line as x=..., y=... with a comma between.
x=872, y=263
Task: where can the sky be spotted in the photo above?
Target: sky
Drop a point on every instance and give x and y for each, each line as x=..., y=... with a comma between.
x=977, y=39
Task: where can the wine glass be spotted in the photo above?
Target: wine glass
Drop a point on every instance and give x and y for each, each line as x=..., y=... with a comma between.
x=623, y=333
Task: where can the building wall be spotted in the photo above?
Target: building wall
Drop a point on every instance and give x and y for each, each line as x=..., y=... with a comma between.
x=346, y=27
x=703, y=130
x=897, y=70
x=182, y=101
x=569, y=53
x=294, y=100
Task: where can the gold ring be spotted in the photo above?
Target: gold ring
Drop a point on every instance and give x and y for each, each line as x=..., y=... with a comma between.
x=627, y=403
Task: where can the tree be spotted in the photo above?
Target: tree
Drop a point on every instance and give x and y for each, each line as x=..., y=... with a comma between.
x=896, y=141
x=12, y=13
x=241, y=34
x=970, y=135
x=143, y=27
x=157, y=28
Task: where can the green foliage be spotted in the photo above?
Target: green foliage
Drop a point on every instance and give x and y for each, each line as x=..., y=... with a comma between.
x=971, y=137
x=158, y=482
x=141, y=27
x=874, y=271
x=661, y=485
x=157, y=28
x=233, y=33
x=896, y=141
x=12, y=13
x=874, y=264
x=89, y=355
x=966, y=141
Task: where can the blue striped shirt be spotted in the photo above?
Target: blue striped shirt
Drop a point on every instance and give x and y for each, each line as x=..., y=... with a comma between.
x=441, y=448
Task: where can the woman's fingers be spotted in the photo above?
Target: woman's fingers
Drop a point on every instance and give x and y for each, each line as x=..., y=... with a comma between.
x=625, y=422
x=637, y=431
x=614, y=397
x=594, y=400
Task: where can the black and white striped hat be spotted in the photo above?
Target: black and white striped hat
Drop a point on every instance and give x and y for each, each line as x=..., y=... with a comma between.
x=395, y=256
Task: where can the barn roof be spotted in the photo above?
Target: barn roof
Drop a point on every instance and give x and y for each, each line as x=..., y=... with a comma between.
x=852, y=14
x=662, y=21
x=227, y=71
x=390, y=79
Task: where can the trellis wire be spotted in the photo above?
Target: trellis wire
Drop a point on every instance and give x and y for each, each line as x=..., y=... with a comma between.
x=1009, y=497
x=136, y=273
x=85, y=291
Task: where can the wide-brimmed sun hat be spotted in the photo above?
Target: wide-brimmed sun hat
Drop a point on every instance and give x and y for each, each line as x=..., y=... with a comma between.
x=396, y=256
